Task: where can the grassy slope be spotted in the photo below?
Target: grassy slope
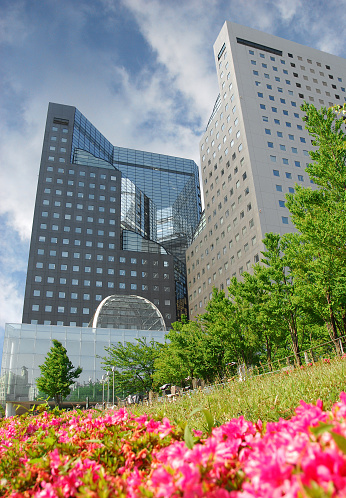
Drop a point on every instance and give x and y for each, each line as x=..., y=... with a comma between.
x=265, y=397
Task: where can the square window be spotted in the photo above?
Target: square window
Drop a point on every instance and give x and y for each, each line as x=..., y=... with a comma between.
x=278, y=188
x=276, y=172
x=284, y=220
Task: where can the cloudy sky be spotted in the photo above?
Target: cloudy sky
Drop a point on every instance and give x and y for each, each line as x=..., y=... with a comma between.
x=141, y=71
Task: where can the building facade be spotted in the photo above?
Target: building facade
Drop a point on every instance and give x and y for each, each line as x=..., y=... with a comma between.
x=26, y=347
x=255, y=150
x=107, y=220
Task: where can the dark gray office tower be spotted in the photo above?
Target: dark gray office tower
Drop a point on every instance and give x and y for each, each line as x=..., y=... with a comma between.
x=108, y=220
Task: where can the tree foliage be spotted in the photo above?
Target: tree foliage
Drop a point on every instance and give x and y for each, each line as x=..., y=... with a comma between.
x=57, y=373
x=134, y=365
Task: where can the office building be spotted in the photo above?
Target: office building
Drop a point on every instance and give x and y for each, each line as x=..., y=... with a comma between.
x=254, y=150
x=107, y=221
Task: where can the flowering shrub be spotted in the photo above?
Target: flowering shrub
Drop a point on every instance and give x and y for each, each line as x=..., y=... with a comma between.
x=116, y=454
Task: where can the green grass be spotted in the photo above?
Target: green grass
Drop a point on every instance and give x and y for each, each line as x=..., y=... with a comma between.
x=266, y=397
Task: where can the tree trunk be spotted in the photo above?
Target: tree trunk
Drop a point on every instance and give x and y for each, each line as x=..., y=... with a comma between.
x=269, y=352
x=331, y=325
x=343, y=316
x=57, y=400
x=294, y=337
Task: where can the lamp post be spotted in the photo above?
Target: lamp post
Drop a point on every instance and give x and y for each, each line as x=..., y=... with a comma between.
x=108, y=374
x=113, y=370
x=103, y=389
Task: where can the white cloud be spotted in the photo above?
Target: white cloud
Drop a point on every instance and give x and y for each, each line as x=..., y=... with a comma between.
x=288, y=9
x=182, y=39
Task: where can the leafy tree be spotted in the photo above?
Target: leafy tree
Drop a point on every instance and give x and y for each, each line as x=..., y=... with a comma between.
x=186, y=354
x=281, y=284
x=320, y=215
x=57, y=373
x=134, y=363
x=320, y=286
x=251, y=298
x=229, y=339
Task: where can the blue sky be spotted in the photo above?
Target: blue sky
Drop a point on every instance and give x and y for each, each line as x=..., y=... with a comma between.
x=142, y=71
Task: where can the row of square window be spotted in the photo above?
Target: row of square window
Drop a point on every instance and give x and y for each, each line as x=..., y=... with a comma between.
x=67, y=216
x=74, y=324
x=102, y=176
x=52, y=148
x=63, y=130
x=282, y=100
x=56, y=228
x=80, y=195
x=294, y=104
x=69, y=205
x=268, y=131
x=54, y=139
x=86, y=297
x=99, y=257
x=288, y=175
x=98, y=283
x=285, y=160
x=294, y=150
x=285, y=113
x=278, y=122
x=265, y=66
x=83, y=173
x=80, y=184
x=89, y=269
x=74, y=309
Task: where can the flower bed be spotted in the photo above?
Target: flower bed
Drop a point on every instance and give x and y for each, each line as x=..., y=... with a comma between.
x=93, y=454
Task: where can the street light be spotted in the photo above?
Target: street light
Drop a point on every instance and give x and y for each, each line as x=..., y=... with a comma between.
x=113, y=370
x=108, y=387
x=103, y=389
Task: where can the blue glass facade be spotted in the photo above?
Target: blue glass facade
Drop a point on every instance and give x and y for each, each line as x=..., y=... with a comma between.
x=107, y=220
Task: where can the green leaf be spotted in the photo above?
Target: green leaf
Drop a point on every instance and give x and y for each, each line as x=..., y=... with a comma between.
x=340, y=441
x=35, y=460
x=207, y=415
x=316, y=491
x=321, y=428
x=188, y=438
x=49, y=441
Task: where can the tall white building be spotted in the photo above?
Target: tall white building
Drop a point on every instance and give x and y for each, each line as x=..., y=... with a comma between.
x=254, y=150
